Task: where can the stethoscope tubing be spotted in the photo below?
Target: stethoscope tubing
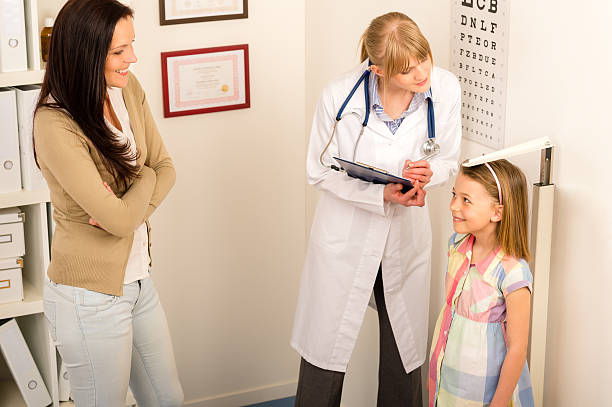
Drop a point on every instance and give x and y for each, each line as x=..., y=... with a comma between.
x=430, y=144
x=365, y=78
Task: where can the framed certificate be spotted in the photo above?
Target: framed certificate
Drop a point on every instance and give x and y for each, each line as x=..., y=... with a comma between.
x=193, y=11
x=205, y=80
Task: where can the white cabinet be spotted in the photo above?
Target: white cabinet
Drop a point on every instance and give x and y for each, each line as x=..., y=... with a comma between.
x=29, y=312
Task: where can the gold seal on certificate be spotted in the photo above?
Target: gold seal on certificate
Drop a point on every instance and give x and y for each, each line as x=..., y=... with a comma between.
x=205, y=80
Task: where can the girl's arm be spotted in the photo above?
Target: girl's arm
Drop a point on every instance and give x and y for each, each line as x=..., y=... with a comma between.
x=518, y=305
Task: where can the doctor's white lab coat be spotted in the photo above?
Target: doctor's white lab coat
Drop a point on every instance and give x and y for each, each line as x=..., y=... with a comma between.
x=354, y=231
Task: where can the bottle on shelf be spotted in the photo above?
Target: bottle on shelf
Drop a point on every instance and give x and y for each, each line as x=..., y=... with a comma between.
x=45, y=38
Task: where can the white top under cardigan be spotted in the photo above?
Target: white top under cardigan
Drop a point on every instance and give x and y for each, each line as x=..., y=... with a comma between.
x=138, y=263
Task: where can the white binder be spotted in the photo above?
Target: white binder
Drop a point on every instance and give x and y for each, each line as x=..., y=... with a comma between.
x=32, y=34
x=10, y=169
x=22, y=366
x=13, y=53
x=31, y=177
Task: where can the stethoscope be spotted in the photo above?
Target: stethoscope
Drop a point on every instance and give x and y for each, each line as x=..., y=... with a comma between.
x=430, y=147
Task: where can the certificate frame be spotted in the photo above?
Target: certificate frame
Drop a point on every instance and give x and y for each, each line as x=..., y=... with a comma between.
x=196, y=68
x=172, y=14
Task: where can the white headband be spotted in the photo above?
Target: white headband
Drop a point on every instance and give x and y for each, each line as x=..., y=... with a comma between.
x=496, y=181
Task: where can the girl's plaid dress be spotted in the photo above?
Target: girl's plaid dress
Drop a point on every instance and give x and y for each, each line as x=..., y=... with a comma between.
x=469, y=346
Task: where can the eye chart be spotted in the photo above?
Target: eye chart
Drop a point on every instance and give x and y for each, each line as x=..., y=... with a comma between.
x=479, y=58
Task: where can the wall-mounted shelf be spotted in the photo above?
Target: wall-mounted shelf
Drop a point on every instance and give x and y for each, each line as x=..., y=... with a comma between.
x=21, y=78
x=23, y=197
x=32, y=303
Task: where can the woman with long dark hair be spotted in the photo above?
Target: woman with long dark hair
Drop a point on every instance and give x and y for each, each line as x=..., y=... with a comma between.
x=99, y=149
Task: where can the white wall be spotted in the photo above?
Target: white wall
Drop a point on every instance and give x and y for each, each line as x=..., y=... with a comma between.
x=558, y=68
x=228, y=241
x=560, y=58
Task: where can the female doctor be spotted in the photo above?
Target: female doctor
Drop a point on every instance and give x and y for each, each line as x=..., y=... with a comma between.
x=369, y=237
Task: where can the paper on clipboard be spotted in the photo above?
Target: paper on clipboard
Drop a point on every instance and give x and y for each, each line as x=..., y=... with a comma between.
x=372, y=174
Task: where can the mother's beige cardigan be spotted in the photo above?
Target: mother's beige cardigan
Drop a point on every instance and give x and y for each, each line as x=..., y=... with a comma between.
x=83, y=255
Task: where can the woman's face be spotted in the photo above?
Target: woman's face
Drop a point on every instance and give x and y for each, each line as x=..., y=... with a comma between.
x=120, y=54
x=415, y=79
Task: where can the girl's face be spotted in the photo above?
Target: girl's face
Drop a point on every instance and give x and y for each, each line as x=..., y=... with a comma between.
x=120, y=54
x=474, y=210
x=417, y=79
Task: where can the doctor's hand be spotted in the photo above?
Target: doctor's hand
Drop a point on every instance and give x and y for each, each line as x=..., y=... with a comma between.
x=417, y=171
x=414, y=197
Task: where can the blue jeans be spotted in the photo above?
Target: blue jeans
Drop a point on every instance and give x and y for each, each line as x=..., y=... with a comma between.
x=107, y=342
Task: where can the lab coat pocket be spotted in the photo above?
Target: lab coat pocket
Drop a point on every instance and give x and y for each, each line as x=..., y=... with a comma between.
x=415, y=230
x=332, y=223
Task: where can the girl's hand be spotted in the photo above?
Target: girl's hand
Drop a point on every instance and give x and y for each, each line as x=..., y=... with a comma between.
x=417, y=171
x=414, y=197
x=91, y=220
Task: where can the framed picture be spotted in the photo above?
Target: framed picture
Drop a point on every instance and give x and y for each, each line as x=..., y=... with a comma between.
x=194, y=11
x=205, y=80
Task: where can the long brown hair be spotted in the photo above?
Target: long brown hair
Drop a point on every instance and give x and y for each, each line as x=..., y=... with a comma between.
x=74, y=79
x=512, y=230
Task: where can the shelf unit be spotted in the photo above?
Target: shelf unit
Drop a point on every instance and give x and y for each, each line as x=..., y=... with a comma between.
x=21, y=78
x=23, y=197
x=129, y=401
x=29, y=313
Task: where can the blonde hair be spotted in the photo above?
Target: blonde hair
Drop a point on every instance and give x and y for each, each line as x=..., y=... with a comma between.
x=511, y=231
x=390, y=40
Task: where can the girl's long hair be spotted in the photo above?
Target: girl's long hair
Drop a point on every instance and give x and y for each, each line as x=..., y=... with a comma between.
x=74, y=80
x=512, y=230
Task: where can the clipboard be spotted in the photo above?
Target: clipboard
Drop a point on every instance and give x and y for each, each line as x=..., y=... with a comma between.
x=372, y=174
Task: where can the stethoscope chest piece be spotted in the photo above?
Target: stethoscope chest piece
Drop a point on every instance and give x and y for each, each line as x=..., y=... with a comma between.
x=430, y=147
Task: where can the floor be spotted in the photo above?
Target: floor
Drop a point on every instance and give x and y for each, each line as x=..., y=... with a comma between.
x=287, y=402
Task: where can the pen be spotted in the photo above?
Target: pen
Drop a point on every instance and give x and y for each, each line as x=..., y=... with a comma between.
x=428, y=156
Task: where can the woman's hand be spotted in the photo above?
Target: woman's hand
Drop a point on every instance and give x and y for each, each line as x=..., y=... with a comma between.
x=91, y=220
x=417, y=171
x=414, y=197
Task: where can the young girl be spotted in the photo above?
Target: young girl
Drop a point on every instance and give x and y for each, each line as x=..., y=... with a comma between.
x=480, y=344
